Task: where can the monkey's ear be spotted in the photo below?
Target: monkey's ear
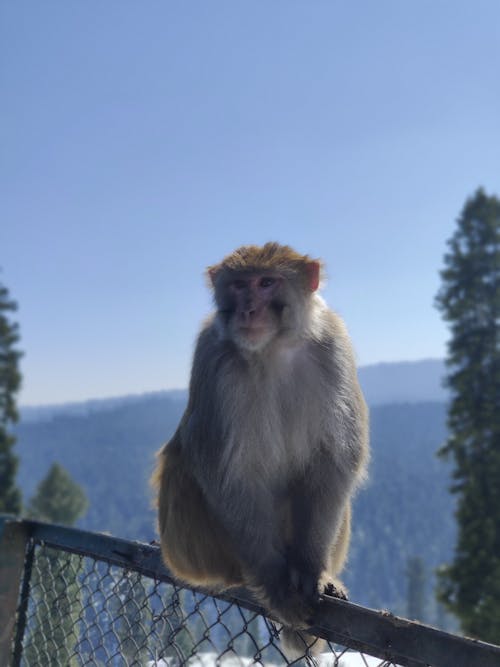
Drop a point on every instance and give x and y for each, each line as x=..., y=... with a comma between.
x=212, y=274
x=313, y=270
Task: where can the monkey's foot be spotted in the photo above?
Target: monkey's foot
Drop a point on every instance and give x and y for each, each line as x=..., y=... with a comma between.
x=295, y=612
x=304, y=582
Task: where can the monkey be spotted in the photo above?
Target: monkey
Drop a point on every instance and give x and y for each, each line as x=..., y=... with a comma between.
x=254, y=489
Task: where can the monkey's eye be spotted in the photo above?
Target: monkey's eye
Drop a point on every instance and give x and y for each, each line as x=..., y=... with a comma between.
x=239, y=283
x=267, y=281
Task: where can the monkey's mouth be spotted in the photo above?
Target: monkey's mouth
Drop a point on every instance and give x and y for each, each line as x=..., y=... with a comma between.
x=253, y=338
x=254, y=332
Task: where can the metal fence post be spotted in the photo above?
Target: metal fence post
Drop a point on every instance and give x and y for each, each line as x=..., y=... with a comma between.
x=13, y=539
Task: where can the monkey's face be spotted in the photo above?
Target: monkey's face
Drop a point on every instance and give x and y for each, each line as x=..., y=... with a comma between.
x=252, y=305
x=264, y=293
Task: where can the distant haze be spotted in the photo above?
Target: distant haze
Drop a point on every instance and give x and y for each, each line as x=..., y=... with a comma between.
x=404, y=382
x=391, y=382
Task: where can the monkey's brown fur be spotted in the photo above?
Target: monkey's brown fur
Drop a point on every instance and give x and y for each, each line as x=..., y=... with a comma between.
x=200, y=553
x=271, y=256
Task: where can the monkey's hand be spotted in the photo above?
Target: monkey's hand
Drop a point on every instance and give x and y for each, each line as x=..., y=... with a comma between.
x=305, y=579
x=334, y=589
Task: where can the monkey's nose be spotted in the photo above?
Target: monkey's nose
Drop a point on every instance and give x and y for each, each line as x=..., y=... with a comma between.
x=248, y=314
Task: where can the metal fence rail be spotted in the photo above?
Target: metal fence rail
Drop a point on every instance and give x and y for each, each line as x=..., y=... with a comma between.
x=70, y=597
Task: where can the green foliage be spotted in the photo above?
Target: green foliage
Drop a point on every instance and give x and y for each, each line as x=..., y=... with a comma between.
x=55, y=584
x=10, y=382
x=470, y=301
x=58, y=498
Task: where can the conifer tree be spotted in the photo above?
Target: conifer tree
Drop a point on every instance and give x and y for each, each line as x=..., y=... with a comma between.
x=53, y=634
x=469, y=300
x=58, y=498
x=10, y=383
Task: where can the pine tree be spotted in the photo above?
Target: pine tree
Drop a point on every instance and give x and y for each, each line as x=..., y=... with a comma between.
x=470, y=301
x=55, y=586
x=10, y=383
x=58, y=498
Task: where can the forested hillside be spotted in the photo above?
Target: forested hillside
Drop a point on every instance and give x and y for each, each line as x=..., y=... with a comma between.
x=403, y=511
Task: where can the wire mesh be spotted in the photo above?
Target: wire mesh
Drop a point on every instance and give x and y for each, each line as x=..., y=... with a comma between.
x=86, y=611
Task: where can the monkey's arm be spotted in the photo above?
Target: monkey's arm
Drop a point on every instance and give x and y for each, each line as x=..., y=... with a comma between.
x=320, y=511
x=321, y=497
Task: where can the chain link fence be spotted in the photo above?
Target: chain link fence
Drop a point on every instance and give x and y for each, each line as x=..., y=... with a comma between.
x=82, y=611
x=88, y=599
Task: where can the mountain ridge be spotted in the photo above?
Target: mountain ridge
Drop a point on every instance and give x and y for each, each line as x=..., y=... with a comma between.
x=383, y=383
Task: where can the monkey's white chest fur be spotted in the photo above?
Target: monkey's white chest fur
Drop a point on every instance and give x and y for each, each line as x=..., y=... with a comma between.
x=275, y=412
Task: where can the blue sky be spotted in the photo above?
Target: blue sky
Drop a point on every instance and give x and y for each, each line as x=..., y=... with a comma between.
x=142, y=141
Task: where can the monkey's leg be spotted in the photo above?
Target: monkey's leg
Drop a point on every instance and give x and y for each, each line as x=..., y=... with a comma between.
x=194, y=545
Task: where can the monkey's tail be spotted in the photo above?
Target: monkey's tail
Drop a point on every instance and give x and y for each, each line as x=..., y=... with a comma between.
x=298, y=644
